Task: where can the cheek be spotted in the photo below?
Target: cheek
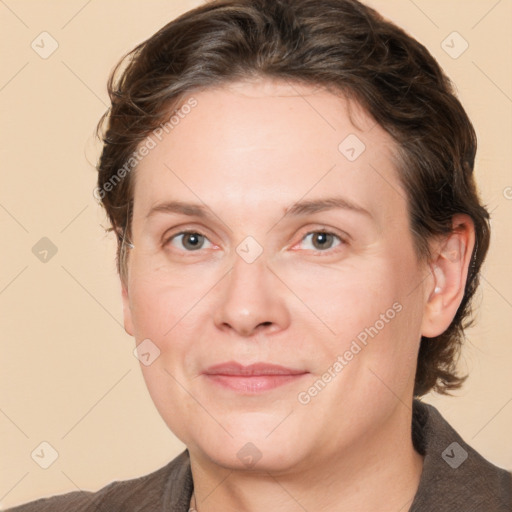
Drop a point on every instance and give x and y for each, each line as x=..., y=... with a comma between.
x=160, y=297
x=172, y=309
x=345, y=298
x=390, y=312
x=151, y=307
x=374, y=311
x=160, y=311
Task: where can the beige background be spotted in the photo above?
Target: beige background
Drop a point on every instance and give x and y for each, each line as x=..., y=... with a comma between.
x=68, y=373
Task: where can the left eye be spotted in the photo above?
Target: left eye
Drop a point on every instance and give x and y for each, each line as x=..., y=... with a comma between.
x=321, y=241
x=189, y=240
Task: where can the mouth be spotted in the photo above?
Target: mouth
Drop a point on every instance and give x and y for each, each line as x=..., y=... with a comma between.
x=254, y=378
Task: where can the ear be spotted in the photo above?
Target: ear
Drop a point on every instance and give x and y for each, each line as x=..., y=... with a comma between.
x=449, y=265
x=127, y=312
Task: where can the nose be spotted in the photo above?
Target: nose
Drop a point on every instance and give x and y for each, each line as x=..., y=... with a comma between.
x=251, y=300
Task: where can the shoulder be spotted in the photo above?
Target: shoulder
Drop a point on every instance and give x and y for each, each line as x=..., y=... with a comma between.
x=168, y=488
x=455, y=476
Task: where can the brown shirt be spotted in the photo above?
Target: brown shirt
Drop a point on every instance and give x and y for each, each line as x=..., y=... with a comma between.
x=455, y=478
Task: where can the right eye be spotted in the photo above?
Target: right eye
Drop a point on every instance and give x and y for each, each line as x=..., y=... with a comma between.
x=188, y=240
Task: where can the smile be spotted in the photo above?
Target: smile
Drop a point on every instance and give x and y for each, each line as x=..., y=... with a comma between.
x=252, y=379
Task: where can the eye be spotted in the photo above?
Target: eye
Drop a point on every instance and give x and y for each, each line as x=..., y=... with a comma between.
x=322, y=240
x=189, y=240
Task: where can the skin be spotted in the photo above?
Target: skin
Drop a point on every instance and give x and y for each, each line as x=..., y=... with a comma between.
x=247, y=153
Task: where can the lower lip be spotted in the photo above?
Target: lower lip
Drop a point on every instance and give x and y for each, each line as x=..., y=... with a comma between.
x=253, y=384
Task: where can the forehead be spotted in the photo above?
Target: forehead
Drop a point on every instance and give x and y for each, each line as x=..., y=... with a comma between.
x=269, y=142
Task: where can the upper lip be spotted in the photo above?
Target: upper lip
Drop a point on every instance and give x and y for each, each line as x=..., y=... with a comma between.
x=234, y=368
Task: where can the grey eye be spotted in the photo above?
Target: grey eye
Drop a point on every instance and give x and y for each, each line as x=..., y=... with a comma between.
x=322, y=241
x=188, y=240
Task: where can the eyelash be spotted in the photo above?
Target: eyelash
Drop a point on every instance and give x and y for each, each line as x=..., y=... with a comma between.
x=342, y=240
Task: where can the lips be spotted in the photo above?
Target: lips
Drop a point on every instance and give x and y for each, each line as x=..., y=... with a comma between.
x=254, y=378
x=233, y=368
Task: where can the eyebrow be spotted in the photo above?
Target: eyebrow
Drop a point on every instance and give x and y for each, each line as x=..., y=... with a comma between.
x=196, y=210
x=328, y=203
x=297, y=209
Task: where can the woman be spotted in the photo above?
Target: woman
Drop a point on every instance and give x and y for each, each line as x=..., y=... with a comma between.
x=299, y=240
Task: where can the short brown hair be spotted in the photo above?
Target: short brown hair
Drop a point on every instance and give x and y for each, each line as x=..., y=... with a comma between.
x=339, y=44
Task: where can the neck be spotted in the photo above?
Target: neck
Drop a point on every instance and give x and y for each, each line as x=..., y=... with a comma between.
x=379, y=473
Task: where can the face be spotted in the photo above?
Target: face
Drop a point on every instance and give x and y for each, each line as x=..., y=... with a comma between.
x=274, y=272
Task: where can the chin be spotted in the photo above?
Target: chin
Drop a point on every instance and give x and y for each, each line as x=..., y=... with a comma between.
x=256, y=445
x=253, y=457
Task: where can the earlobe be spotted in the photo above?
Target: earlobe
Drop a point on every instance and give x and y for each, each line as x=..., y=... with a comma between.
x=449, y=269
x=127, y=312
